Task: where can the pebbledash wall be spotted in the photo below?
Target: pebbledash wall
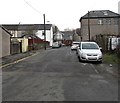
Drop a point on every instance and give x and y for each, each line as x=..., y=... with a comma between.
x=4, y=43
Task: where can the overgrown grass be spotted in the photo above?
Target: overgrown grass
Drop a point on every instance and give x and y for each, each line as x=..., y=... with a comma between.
x=111, y=58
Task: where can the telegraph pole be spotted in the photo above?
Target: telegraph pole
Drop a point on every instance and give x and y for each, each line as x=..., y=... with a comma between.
x=44, y=33
x=89, y=25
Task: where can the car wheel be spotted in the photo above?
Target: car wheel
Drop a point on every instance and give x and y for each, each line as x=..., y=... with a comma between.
x=76, y=52
x=100, y=61
x=79, y=59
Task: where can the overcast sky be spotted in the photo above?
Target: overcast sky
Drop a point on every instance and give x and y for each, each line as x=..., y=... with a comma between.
x=63, y=13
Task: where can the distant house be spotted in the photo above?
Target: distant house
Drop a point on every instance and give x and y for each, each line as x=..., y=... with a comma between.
x=4, y=42
x=18, y=30
x=99, y=22
x=67, y=37
x=76, y=35
x=58, y=37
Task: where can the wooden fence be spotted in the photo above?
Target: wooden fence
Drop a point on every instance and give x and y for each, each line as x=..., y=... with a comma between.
x=35, y=44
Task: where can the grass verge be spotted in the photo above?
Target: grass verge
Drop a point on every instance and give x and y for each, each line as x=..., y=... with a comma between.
x=111, y=58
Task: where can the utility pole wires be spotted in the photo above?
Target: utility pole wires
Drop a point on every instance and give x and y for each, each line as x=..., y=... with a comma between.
x=44, y=22
x=32, y=7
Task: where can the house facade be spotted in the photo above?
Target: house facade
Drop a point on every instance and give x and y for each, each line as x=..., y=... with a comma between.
x=18, y=30
x=100, y=22
x=58, y=37
x=67, y=37
x=49, y=33
x=4, y=42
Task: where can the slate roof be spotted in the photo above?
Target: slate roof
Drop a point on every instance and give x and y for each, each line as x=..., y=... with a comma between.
x=25, y=27
x=100, y=14
x=5, y=30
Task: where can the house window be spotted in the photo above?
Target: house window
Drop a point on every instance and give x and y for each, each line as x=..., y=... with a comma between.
x=109, y=21
x=100, y=21
x=105, y=21
x=116, y=21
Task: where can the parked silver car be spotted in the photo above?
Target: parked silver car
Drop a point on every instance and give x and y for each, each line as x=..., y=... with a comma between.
x=75, y=44
x=89, y=51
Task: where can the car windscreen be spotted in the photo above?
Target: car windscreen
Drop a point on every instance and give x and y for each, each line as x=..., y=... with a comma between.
x=89, y=46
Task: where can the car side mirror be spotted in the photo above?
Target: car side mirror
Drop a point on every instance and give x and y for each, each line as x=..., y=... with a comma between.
x=101, y=49
x=79, y=48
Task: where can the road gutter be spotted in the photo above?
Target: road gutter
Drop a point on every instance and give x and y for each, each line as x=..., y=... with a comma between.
x=16, y=61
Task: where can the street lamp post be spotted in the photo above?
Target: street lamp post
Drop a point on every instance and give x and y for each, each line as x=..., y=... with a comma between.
x=44, y=33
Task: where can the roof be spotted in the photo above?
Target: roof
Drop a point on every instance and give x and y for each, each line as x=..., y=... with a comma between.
x=5, y=30
x=23, y=27
x=100, y=14
x=67, y=34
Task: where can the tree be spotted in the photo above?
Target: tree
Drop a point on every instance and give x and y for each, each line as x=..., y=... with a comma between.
x=78, y=31
x=55, y=29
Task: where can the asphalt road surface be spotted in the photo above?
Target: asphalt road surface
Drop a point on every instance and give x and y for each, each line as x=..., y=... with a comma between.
x=57, y=75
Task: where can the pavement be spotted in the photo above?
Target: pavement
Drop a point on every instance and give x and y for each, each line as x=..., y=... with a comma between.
x=16, y=57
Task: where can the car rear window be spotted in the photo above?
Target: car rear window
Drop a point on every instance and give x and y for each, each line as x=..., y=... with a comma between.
x=76, y=43
x=89, y=46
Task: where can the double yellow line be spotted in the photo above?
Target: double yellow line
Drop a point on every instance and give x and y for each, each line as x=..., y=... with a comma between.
x=19, y=60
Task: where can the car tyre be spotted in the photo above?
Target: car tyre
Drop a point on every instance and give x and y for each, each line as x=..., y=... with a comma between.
x=100, y=61
x=76, y=52
x=79, y=59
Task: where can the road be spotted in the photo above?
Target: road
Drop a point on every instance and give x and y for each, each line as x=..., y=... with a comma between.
x=57, y=75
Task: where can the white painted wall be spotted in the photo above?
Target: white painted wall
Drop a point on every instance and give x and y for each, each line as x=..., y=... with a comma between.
x=49, y=35
x=39, y=34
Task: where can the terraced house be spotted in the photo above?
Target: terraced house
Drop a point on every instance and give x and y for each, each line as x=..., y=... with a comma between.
x=99, y=22
x=26, y=36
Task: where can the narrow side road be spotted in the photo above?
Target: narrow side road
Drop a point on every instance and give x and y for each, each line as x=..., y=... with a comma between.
x=57, y=75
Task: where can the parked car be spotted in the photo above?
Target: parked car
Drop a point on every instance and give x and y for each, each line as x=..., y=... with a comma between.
x=74, y=46
x=63, y=44
x=89, y=51
x=55, y=45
